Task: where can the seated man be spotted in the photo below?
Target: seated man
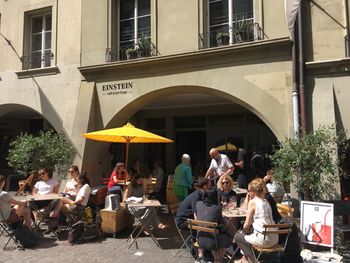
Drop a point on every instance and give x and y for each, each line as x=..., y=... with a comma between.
x=187, y=208
x=11, y=215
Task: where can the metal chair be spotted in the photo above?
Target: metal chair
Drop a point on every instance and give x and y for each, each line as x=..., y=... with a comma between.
x=9, y=229
x=280, y=229
x=185, y=237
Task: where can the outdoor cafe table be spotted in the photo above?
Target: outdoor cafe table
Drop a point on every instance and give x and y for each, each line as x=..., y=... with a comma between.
x=240, y=191
x=143, y=225
x=234, y=213
x=32, y=199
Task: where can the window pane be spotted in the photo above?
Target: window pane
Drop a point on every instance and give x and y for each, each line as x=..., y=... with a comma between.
x=144, y=7
x=47, y=58
x=36, y=60
x=243, y=8
x=48, y=22
x=36, y=42
x=37, y=24
x=144, y=26
x=218, y=12
x=126, y=9
x=126, y=30
x=47, y=40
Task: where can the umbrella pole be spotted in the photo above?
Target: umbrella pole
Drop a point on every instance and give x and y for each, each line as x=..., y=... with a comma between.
x=126, y=163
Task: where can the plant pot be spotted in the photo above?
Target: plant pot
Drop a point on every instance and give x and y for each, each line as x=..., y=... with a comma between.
x=128, y=56
x=223, y=40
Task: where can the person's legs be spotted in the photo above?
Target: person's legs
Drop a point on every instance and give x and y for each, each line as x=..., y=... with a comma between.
x=242, y=181
x=244, y=246
x=57, y=209
x=26, y=213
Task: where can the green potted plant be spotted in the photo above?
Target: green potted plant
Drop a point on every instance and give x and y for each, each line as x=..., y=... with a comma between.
x=310, y=163
x=144, y=45
x=130, y=52
x=28, y=153
x=242, y=28
x=222, y=38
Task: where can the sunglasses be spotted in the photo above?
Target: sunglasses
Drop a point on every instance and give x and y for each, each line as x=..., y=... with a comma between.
x=71, y=171
x=41, y=173
x=224, y=182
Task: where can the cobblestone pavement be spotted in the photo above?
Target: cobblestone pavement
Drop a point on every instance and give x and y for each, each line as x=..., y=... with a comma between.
x=104, y=249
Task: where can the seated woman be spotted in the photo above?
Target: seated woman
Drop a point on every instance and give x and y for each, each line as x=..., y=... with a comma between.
x=46, y=185
x=225, y=190
x=210, y=210
x=228, y=197
x=137, y=189
x=147, y=177
x=12, y=215
x=71, y=188
x=259, y=214
x=117, y=177
x=66, y=205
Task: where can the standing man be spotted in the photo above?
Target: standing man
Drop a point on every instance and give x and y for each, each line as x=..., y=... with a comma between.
x=220, y=165
x=183, y=178
x=239, y=169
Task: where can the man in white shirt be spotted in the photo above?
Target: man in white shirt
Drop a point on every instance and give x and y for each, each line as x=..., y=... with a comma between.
x=220, y=165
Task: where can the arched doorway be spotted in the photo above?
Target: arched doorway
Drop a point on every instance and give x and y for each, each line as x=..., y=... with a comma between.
x=196, y=122
x=14, y=120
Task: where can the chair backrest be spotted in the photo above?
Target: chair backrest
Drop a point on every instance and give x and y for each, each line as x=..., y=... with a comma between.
x=203, y=226
x=30, y=181
x=171, y=198
x=285, y=210
x=279, y=229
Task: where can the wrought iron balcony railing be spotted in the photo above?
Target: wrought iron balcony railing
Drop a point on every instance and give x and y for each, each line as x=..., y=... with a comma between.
x=37, y=61
x=131, y=52
x=230, y=37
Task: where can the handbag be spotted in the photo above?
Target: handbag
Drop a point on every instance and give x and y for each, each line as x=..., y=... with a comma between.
x=322, y=232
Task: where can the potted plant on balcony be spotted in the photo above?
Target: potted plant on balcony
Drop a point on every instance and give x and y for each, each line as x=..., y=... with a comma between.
x=144, y=45
x=130, y=53
x=222, y=38
x=242, y=28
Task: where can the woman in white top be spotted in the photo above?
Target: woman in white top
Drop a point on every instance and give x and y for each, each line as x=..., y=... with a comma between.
x=65, y=205
x=46, y=185
x=259, y=214
x=71, y=188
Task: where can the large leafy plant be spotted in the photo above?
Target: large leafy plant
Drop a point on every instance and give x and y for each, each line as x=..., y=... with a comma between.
x=310, y=163
x=29, y=153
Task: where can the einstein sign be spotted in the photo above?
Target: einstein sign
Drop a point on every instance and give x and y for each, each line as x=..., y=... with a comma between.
x=115, y=88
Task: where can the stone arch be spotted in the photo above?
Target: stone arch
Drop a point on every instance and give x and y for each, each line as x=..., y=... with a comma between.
x=262, y=104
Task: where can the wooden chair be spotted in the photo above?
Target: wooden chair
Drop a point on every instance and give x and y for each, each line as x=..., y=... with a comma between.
x=285, y=210
x=203, y=226
x=279, y=229
x=171, y=198
x=30, y=181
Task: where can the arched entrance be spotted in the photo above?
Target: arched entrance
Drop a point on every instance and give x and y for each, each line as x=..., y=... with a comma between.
x=14, y=120
x=197, y=119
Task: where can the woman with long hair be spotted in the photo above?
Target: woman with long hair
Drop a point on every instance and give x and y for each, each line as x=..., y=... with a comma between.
x=259, y=214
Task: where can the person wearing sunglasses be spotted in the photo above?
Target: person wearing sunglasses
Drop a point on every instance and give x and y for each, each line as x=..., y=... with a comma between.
x=225, y=190
x=71, y=189
x=46, y=185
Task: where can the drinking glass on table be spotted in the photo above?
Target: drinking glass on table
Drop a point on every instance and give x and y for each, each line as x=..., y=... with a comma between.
x=224, y=201
x=233, y=202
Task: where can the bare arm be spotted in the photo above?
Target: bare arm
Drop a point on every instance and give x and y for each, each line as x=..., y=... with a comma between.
x=55, y=189
x=209, y=173
x=250, y=214
x=126, y=194
x=240, y=164
x=35, y=190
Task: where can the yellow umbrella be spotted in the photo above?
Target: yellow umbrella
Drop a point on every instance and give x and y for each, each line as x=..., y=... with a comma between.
x=229, y=147
x=126, y=134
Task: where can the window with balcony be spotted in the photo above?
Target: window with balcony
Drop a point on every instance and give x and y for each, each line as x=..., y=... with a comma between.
x=229, y=22
x=133, y=37
x=37, y=42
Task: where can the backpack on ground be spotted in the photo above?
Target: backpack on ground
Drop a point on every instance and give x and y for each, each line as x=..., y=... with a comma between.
x=26, y=237
x=91, y=232
x=75, y=233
